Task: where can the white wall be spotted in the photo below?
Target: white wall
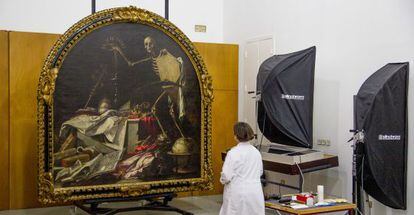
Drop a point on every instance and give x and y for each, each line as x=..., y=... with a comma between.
x=353, y=38
x=55, y=16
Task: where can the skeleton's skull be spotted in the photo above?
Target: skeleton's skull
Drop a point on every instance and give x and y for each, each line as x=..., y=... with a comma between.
x=104, y=105
x=149, y=44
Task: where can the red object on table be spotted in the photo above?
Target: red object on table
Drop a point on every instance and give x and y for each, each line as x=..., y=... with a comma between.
x=303, y=198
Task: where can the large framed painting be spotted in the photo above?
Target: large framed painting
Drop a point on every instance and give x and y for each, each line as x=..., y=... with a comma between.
x=124, y=106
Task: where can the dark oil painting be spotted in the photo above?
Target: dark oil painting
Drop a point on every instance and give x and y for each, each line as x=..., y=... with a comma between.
x=127, y=109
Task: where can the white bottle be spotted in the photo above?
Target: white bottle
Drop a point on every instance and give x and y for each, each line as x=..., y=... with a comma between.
x=320, y=193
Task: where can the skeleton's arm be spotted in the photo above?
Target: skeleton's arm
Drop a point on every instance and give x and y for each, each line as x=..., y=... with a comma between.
x=139, y=61
x=130, y=63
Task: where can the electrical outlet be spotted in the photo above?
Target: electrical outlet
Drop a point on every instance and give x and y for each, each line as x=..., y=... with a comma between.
x=320, y=142
x=323, y=142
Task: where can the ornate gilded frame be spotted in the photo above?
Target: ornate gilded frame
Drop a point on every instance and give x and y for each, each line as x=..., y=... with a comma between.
x=50, y=71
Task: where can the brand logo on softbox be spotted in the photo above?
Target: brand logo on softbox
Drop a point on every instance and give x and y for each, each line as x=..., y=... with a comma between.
x=389, y=137
x=293, y=97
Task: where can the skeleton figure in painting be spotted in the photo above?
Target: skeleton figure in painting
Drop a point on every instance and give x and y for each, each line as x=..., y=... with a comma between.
x=167, y=81
x=168, y=71
x=94, y=142
x=166, y=103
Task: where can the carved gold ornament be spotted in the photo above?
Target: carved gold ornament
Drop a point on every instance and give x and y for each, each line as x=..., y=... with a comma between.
x=46, y=88
x=48, y=85
x=207, y=88
x=132, y=14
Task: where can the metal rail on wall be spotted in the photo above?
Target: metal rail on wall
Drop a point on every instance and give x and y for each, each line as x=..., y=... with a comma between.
x=167, y=9
x=93, y=6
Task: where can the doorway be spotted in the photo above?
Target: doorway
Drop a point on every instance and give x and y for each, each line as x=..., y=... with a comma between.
x=256, y=51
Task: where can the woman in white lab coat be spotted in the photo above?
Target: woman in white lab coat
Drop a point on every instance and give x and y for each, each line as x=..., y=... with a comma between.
x=242, y=169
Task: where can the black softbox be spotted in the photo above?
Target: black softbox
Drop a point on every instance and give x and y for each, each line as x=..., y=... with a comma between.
x=381, y=113
x=285, y=87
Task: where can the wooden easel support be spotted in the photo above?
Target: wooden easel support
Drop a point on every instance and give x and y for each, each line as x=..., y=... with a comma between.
x=156, y=202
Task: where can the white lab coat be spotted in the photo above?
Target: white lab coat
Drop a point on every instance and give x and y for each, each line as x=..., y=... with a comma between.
x=243, y=194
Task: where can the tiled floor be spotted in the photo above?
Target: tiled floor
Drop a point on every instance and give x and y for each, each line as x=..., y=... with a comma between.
x=203, y=205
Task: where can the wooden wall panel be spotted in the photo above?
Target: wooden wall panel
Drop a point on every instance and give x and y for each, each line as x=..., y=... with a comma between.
x=224, y=117
x=4, y=120
x=222, y=61
x=27, y=54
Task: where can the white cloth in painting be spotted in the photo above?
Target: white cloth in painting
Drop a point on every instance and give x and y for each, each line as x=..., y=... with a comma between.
x=142, y=161
x=108, y=124
x=242, y=169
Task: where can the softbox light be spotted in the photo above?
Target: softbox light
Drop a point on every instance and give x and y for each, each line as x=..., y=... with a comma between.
x=381, y=113
x=285, y=87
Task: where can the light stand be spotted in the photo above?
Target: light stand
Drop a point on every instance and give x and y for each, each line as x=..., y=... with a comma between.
x=357, y=144
x=256, y=112
x=357, y=141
